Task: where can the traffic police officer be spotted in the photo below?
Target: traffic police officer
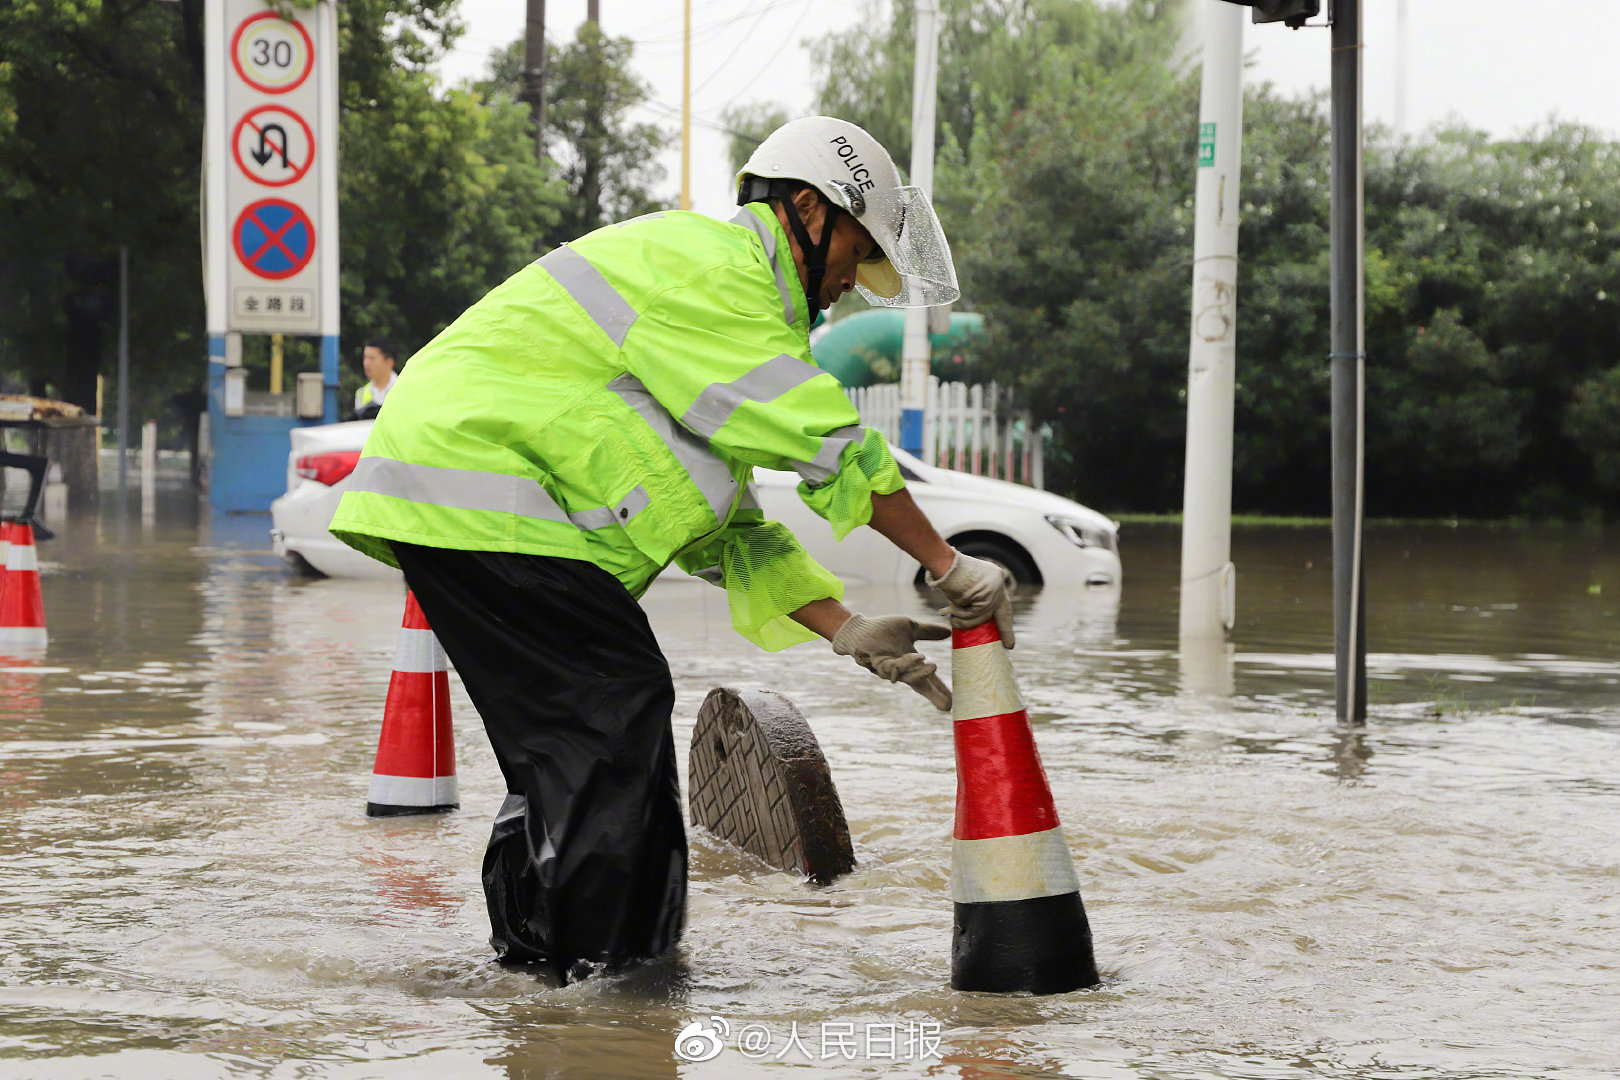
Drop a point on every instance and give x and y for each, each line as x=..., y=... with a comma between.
x=598, y=416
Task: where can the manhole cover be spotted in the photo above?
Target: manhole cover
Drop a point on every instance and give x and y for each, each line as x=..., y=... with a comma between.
x=757, y=779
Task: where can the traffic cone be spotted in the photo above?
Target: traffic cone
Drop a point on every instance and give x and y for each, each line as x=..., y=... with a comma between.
x=5, y=545
x=415, y=772
x=1019, y=921
x=22, y=607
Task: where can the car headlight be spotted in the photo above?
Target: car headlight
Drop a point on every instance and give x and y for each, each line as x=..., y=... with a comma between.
x=1083, y=535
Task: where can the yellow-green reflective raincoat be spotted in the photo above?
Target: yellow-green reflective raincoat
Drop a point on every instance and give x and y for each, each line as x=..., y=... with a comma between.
x=609, y=403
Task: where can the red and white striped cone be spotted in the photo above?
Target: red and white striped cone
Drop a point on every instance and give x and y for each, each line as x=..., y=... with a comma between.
x=415, y=771
x=22, y=605
x=5, y=545
x=1020, y=925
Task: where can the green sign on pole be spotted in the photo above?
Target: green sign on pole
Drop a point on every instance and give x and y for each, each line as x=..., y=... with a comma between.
x=1206, y=146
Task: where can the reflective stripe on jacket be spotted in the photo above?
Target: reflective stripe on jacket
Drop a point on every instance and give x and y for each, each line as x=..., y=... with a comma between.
x=609, y=403
x=368, y=392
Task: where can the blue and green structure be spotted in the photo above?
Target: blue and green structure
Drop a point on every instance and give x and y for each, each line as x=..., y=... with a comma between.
x=249, y=466
x=864, y=348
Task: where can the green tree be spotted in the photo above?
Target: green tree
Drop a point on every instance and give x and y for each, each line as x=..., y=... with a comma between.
x=440, y=196
x=606, y=160
x=100, y=140
x=748, y=124
x=1064, y=178
x=1593, y=422
x=1520, y=240
x=101, y=120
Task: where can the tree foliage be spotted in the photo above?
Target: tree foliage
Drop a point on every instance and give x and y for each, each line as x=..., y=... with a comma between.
x=606, y=160
x=440, y=198
x=748, y=124
x=1065, y=180
x=440, y=195
x=100, y=145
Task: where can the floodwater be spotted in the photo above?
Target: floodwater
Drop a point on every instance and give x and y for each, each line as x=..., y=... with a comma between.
x=189, y=886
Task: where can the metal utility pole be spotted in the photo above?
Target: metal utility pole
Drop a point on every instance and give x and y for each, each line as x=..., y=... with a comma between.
x=1208, y=578
x=534, y=74
x=1348, y=369
x=123, y=374
x=686, y=111
x=590, y=181
x=914, y=351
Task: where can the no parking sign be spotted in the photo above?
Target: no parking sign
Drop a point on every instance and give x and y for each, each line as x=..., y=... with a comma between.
x=272, y=220
x=274, y=239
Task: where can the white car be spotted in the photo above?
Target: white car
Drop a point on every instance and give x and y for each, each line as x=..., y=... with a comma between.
x=1044, y=539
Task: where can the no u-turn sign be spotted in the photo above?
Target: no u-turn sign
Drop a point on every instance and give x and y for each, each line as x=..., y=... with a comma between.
x=273, y=146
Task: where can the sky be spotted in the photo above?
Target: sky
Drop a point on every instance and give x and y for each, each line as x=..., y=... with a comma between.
x=1497, y=65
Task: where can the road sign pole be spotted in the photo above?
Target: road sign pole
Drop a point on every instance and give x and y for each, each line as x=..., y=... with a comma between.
x=214, y=171
x=215, y=242
x=327, y=254
x=329, y=378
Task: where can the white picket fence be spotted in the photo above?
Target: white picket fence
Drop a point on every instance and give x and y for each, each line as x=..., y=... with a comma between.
x=973, y=429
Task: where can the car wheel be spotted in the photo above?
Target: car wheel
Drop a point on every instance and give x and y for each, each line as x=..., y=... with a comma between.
x=1002, y=553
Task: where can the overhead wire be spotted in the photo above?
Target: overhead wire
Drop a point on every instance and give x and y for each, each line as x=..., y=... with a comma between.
x=677, y=16
x=709, y=29
x=469, y=42
x=718, y=68
x=772, y=58
x=713, y=125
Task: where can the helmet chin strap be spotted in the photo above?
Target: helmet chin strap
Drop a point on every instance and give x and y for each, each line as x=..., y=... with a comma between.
x=815, y=255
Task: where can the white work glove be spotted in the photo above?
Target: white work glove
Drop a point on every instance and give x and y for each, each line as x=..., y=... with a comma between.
x=978, y=591
x=887, y=647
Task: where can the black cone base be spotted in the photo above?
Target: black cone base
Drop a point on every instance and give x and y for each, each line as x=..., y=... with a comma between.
x=385, y=810
x=1040, y=946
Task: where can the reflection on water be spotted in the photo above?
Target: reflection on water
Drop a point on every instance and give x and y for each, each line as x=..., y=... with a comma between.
x=190, y=885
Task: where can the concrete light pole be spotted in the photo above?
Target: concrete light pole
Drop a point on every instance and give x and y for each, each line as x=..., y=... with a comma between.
x=1208, y=578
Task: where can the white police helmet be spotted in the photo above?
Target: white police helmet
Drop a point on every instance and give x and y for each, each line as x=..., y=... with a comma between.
x=855, y=174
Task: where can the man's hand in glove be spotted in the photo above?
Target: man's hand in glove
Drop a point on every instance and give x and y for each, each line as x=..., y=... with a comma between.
x=978, y=591
x=887, y=647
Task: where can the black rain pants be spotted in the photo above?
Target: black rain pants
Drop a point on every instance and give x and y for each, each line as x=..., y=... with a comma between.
x=587, y=860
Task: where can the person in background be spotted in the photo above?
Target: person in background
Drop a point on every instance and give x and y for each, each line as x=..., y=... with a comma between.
x=378, y=362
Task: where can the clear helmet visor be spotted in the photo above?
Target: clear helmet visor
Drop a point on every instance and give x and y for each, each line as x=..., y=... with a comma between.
x=916, y=270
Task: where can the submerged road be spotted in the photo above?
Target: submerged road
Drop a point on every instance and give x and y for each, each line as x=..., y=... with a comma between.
x=189, y=886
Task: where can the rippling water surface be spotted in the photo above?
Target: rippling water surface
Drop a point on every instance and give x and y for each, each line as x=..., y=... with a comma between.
x=189, y=886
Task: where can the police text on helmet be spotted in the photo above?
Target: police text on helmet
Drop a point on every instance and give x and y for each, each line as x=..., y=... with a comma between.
x=857, y=172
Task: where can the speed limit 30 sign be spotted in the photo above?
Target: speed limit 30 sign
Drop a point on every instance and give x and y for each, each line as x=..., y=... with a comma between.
x=279, y=212
x=272, y=53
